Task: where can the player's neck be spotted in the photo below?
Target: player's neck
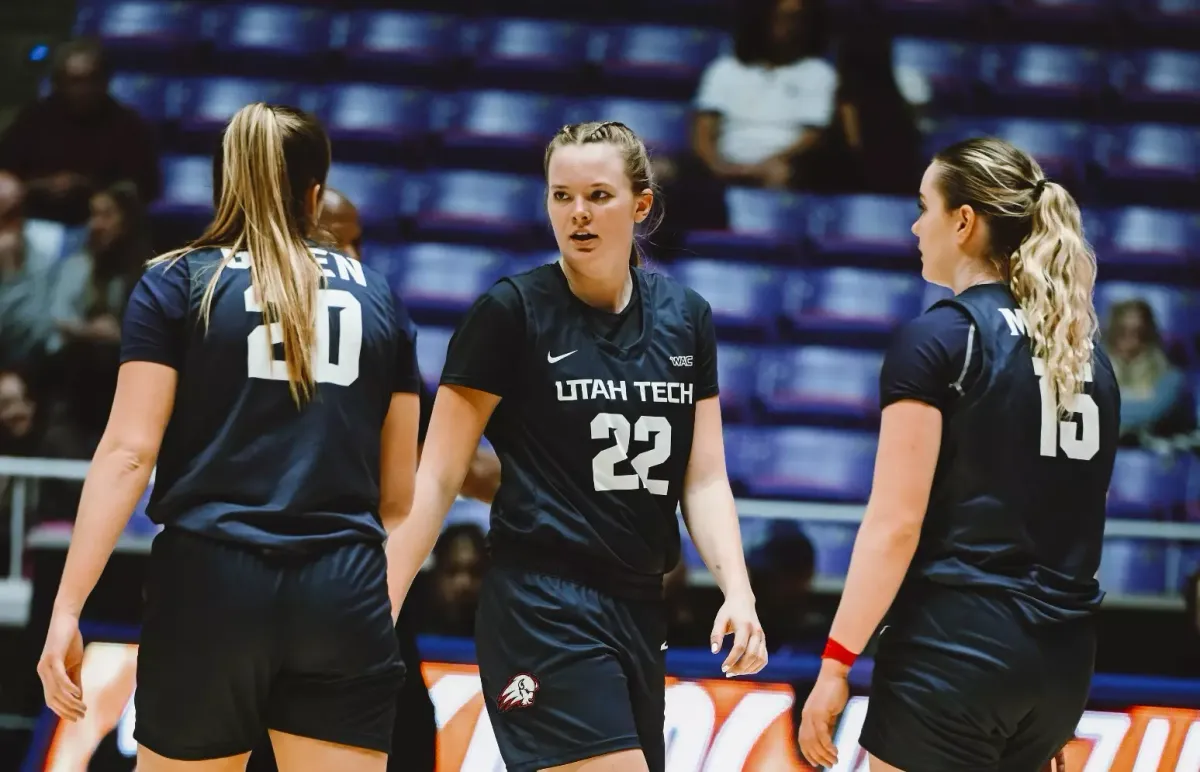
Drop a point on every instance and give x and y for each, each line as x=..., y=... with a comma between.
x=608, y=290
x=970, y=273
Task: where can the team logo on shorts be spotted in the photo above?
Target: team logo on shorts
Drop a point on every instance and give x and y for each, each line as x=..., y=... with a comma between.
x=518, y=693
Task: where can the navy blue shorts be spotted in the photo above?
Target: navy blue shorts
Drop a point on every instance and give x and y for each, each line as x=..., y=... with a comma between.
x=961, y=681
x=236, y=641
x=569, y=672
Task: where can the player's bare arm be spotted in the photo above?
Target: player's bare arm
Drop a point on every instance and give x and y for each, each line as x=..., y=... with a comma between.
x=909, y=441
x=118, y=475
x=398, y=458
x=711, y=517
x=459, y=417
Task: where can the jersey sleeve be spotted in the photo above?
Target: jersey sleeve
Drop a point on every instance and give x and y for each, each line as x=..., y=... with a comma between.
x=406, y=377
x=155, y=324
x=934, y=359
x=486, y=348
x=705, y=360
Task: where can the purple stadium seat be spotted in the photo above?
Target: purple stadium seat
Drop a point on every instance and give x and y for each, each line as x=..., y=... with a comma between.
x=665, y=127
x=833, y=544
x=432, y=343
x=502, y=120
x=149, y=95
x=1156, y=236
x=532, y=45
x=1060, y=147
x=760, y=221
x=365, y=111
x=269, y=30
x=742, y=296
x=1150, y=152
x=818, y=380
x=851, y=300
x=659, y=52
x=143, y=25
x=1157, y=76
x=1147, y=485
x=401, y=38
x=737, y=368
x=808, y=463
x=209, y=103
x=374, y=190
x=1061, y=73
x=444, y=277
x=951, y=67
x=1181, y=16
x=187, y=186
x=863, y=225
x=1066, y=12
x=478, y=203
x=1133, y=567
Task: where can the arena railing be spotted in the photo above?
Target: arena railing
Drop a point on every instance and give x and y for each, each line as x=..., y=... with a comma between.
x=23, y=472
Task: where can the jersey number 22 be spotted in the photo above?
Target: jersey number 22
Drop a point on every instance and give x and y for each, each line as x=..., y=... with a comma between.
x=604, y=474
x=261, y=362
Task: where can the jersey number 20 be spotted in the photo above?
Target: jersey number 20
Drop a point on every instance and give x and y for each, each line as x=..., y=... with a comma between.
x=1079, y=443
x=604, y=474
x=261, y=363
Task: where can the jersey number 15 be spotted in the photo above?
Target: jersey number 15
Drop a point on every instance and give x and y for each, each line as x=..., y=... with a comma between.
x=260, y=359
x=1077, y=442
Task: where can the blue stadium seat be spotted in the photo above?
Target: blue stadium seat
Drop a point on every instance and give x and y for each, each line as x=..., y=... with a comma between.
x=743, y=296
x=950, y=67
x=1061, y=73
x=444, y=277
x=1071, y=12
x=863, y=225
x=144, y=25
x=665, y=127
x=737, y=456
x=851, y=300
x=401, y=38
x=1192, y=493
x=1060, y=147
x=810, y=464
x=1189, y=565
x=150, y=95
x=365, y=111
x=1133, y=567
x=737, y=369
x=1145, y=235
x=1175, y=309
x=1154, y=152
x=1147, y=485
x=479, y=203
x=833, y=544
x=186, y=186
x=658, y=58
x=267, y=31
x=759, y=221
x=1178, y=16
x=818, y=380
x=374, y=190
x=1158, y=76
x=531, y=45
x=501, y=120
x=432, y=343
x=208, y=103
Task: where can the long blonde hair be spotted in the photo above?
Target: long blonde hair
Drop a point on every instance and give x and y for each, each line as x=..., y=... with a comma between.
x=271, y=157
x=1037, y=244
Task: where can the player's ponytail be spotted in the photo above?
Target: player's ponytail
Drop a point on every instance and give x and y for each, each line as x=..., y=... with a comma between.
x=637, y=166
x=1037, y=243
x=271, y=157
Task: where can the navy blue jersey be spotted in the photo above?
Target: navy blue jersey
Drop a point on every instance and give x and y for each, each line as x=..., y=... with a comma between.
x=1018, y=498
x=594, y=425
x=239, y=460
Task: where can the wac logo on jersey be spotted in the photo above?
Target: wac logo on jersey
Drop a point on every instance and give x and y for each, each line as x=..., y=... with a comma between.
x=682, y=361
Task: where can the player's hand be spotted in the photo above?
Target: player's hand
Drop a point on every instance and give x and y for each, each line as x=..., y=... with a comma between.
x=825, y=703
x=60, y=666
x=749, y=652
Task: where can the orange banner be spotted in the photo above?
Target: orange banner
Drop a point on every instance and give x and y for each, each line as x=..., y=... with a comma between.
x=711, y=726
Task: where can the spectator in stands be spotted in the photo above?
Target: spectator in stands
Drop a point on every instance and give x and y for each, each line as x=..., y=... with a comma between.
x=78, y=139
x=873, y=144
x=27, y=431
x=759, y=112
x=458, y=565
x=26, y=280
x=1155, y=402
x=339, y=217
x=782, y=574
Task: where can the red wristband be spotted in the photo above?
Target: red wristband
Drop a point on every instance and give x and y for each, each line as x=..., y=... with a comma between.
x=838, y=653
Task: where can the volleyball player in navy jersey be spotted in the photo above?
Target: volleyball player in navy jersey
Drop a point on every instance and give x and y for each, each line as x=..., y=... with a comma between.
x=983, y=533
x=275, y=386
x=596, y=382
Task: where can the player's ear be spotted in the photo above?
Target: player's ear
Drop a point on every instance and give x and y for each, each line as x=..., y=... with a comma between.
x=315, y=201
x=965, y=223
x=642, y=205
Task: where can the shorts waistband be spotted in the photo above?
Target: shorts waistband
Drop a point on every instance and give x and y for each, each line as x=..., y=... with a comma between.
x=574, y=567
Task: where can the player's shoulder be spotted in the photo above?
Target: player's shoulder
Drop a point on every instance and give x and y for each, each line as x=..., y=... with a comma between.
x=945, y=318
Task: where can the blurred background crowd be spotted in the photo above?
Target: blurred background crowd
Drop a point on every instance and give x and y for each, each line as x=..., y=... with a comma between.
x=789, y=137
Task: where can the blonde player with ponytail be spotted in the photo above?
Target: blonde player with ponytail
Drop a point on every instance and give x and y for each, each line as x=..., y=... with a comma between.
x=982, y=537
x=274, y=386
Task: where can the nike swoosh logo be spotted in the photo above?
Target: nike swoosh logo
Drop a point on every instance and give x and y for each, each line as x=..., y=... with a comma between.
x=559, y=358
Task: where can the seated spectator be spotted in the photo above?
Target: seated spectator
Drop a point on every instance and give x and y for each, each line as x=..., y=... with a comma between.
x=26, y=281
x=78, y=139
x=459, y=559
x=759, y=112
x=874, y=143
x=1155, y=402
